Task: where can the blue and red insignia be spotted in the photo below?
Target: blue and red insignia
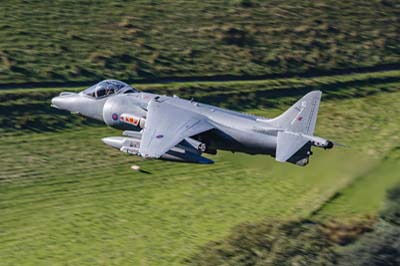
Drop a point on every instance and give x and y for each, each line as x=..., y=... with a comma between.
x=114, y=116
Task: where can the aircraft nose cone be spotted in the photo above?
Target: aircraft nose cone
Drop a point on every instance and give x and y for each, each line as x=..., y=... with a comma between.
x=56, y=102
x=64, y=102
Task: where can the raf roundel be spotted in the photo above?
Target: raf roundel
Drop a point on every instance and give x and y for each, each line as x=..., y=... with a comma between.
x=114, y=116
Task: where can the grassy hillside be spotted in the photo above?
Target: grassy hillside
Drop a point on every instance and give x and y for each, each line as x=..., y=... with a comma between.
x=65, y=198
x=85, y=41
x=365, y=192
x=359, y=242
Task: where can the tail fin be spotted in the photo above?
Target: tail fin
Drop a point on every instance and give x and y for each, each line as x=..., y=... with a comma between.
x=302, y=116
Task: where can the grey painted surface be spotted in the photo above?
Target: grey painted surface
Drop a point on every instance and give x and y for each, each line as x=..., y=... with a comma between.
x=176, y=129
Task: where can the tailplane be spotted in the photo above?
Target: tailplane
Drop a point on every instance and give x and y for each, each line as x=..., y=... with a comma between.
x=292, y=148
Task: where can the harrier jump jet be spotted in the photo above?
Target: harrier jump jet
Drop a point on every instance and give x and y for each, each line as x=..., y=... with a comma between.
x=171, y=128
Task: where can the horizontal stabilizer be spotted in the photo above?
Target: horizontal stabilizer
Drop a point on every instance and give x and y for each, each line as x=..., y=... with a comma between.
x=292, y=147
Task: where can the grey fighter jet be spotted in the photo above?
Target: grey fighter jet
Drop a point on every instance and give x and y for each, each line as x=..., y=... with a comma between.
x=171, y=128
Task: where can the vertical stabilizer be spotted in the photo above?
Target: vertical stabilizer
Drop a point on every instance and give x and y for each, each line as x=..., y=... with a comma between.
x=302, y=116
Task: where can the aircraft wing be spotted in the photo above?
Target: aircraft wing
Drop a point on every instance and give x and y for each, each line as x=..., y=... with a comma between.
x=167, y=125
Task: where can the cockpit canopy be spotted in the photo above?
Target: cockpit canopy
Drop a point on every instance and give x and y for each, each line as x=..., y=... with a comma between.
x=107, y=87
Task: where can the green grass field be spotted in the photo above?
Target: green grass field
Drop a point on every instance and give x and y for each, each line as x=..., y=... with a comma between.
x=80, y=41
x=67, y=199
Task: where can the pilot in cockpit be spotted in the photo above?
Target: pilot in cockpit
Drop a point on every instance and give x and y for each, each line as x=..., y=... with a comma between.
x=108, y=87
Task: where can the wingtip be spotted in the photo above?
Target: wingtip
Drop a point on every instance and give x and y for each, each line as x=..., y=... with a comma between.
x=205, y=160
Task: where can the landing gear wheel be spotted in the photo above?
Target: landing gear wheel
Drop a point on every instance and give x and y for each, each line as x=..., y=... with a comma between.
x=202, y=147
